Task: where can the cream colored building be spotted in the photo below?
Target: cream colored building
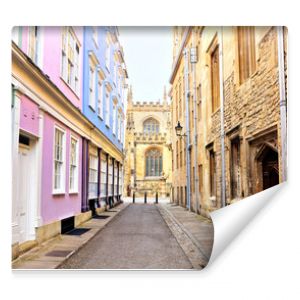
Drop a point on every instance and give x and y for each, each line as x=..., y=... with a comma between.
x=229, y=95
x=147, y=148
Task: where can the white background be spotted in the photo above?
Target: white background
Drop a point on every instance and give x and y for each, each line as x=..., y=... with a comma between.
x=262, y=262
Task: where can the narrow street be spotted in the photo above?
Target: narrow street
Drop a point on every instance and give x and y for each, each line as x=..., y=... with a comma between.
x=138, y=238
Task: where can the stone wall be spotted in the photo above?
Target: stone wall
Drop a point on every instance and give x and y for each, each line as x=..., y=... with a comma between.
x=251, y=114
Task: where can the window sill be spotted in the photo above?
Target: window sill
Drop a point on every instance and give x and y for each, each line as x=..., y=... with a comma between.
x=101, y=118
x=70, y=87
x=73, y=192
x=153, y=177
x=58, y=193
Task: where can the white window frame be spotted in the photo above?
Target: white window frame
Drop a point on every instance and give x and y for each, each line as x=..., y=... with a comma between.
x=75, y=177
x=103, y=176
x=36, y=44
x=92, y=92
x=121, y=129
x=120, y=179
x=70, y=57
x=95, y=35
x=107, y=106
x=115, y=74
x=93, y=196
x=114, y=118
x=119, y=126
x=62, y=188
x=100, y=98
x=120, y=79
x=115, y=178
x=107, y=53
x=110, y=177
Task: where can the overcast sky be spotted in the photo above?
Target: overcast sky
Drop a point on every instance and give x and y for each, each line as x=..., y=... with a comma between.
x=148, y=57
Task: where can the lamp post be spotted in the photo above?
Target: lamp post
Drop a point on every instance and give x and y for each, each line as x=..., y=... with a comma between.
x=178, y=130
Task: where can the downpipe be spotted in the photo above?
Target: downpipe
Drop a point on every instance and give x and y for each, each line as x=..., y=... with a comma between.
x=223, y=183
x=196, y=183
x=187, y=124
x=282, y=102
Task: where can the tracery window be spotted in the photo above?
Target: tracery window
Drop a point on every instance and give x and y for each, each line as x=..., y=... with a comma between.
x=153, y=163
x=151, y=126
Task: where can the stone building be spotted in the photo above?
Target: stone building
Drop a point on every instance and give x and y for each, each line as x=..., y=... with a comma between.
x=229, y=95
x=147, y=148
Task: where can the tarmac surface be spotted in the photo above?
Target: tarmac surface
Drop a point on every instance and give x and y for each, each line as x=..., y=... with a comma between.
x=137, y=238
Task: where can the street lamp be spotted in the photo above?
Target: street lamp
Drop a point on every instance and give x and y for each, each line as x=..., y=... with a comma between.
x=178, y=130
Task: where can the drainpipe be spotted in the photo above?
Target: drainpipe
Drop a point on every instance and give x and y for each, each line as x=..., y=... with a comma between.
x=196, y=183
x=187, y=124
x=282, y=102
x=223, y=184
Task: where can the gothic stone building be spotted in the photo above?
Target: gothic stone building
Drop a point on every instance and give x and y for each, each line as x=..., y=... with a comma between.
x=147, y=148
x=229, y=94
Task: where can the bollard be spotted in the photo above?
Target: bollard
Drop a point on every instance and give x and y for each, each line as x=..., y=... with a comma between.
x=133, y=197
x=156, y=198
x=145, y=197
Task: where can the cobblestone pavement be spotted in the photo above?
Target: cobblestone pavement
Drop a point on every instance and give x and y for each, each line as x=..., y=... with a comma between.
x=137, y=238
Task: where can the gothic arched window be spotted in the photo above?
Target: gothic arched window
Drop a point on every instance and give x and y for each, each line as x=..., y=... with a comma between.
x=151, y=126
x=153, y=163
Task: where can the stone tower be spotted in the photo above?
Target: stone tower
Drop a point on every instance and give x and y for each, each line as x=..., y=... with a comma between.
x=148, y=159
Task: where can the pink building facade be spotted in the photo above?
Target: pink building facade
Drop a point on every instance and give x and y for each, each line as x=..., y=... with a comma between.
x=46, y=151
x=59, y=205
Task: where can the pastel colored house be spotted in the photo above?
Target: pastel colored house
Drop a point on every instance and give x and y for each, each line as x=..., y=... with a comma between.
x=46, y=150
x=103, y=104
x=53, y=171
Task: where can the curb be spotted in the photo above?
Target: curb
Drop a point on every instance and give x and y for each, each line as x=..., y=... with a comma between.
x=191, y=238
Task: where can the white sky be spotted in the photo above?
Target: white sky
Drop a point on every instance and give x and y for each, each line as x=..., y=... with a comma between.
x=148, y=57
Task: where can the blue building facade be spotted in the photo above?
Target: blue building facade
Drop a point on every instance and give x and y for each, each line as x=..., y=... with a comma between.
x=104, y=92
x=105, y=76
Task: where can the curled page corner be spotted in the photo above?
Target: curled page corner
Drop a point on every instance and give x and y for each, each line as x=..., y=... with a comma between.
x=231, y=220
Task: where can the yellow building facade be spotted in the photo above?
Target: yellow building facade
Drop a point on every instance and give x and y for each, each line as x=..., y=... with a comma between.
x=229, y=95
x=147, y=148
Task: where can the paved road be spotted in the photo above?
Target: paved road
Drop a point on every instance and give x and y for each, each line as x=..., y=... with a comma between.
x=138, y=238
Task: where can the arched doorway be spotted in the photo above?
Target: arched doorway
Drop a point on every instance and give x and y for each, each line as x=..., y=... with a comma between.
x=270, y=169
x=267, y=158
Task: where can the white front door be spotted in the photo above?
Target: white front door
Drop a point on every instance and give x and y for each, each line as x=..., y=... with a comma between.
x=24, y=189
